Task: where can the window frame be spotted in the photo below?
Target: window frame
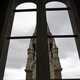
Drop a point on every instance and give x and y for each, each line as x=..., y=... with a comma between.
x=10, y=15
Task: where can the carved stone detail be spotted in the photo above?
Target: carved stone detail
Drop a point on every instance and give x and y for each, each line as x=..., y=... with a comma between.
x=54, y=62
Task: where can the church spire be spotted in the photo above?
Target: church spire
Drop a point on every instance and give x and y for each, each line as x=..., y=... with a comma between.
x=54, y=62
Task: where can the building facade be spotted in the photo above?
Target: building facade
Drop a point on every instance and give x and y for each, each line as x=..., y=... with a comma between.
x=54, y=62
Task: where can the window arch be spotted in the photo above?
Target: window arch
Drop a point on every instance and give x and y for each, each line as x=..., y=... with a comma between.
x=28, y=5
x=25, y=20
x=24, y=24
x=55, y=4
x=60, y=24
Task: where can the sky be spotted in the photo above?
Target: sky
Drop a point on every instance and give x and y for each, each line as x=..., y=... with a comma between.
x=24, y=25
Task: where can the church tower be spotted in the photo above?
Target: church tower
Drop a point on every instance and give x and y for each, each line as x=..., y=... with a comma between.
x=54, y=62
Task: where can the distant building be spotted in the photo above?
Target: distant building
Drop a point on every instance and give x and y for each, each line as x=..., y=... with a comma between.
x=54, y=62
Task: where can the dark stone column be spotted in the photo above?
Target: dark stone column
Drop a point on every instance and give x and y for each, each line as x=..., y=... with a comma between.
x=6, y=19
x=77, y=15
x=42, y=70
x=3, y=9
x=75, y=20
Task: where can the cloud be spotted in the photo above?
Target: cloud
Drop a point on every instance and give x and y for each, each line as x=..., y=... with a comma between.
x=14, y=74
x=71, y=69
x=71, y=72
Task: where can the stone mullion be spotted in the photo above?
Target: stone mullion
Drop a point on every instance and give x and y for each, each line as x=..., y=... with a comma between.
x=42, y=68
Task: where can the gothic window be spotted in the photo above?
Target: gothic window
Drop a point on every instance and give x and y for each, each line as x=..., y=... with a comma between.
x=23, y=25
x=60, y=24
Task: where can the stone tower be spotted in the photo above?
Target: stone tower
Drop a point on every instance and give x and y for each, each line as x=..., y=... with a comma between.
x=54, y=62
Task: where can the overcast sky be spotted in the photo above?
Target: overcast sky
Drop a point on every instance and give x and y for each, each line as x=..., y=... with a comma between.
x=24, y=24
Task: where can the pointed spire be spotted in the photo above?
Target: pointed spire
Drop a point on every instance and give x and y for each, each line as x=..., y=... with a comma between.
x=51, y=40
x=55, y=67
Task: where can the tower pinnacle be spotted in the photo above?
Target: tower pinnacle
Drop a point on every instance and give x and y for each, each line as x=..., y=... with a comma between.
x=54, y=62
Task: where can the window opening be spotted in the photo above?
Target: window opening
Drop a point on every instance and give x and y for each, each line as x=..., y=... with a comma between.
x=61, y=29
x=23, y=25
x=59, y=7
